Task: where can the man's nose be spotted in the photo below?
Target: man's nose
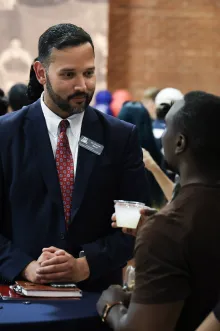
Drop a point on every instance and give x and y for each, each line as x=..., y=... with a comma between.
x=80, y=84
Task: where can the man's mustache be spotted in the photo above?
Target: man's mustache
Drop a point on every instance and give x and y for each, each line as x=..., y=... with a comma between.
x=77, y=95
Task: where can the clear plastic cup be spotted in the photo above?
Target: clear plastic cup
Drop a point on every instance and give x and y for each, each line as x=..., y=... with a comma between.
x=127, y=213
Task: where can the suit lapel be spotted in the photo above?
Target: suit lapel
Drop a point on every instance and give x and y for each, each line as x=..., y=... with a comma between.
x=92, y=129
x=36, y=131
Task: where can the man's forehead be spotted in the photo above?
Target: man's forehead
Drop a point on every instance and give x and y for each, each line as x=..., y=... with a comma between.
x=84, y=51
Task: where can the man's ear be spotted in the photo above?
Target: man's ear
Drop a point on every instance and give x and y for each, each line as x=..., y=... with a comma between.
x=181, y=144
x=40, y=72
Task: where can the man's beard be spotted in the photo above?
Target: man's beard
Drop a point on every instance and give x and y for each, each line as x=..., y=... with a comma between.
x=64, y=105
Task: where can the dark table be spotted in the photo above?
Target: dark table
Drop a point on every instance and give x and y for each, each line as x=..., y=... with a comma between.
x=51, y=314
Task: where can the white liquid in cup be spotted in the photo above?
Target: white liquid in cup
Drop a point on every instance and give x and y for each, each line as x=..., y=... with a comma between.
x=127, y=213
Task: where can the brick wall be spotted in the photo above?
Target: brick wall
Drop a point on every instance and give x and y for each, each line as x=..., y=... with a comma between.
x=164, y=43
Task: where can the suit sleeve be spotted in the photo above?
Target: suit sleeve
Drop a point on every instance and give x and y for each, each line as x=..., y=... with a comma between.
x=12, y=260
x=113, y=251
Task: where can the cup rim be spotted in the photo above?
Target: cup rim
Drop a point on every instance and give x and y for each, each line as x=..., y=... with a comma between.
x=133, y=203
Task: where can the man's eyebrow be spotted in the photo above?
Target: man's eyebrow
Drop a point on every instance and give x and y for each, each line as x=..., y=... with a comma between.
x=67, y=69
x=72, y=69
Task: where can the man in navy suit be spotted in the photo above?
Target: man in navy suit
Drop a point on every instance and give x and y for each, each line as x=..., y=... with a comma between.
x=62, y=165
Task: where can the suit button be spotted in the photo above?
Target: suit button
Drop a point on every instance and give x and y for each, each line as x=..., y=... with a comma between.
x=62, y=236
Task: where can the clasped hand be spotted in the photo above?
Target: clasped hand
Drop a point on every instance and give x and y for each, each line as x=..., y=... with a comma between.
x=56, y=265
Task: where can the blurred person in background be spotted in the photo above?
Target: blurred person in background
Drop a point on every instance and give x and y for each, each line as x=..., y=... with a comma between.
x=103, y=100
x=134, y=112
x=163, y=101
x=3, y=103
x=168, y=181
x=118, y=98
x=149, y=101
x=17, y=97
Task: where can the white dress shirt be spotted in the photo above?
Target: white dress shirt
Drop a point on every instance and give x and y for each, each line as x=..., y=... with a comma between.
x=73, y=131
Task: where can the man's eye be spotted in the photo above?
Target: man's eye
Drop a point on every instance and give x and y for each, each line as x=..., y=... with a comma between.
x=69, y=74
x=89, y=73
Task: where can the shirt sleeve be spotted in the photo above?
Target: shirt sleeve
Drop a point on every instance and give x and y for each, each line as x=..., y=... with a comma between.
x=162, y=273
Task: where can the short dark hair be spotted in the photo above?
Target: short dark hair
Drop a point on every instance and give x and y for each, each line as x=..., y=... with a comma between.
x=199, y=121
x=17, y=96
x=61, y=36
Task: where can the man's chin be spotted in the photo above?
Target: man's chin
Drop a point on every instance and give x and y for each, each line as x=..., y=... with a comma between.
x=74, y=108
x=78, y=108
x=73, y=111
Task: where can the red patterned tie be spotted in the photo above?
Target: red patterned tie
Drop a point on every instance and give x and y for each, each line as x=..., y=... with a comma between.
x=65, y=169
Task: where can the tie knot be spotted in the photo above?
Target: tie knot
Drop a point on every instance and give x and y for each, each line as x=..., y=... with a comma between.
x=64, y=125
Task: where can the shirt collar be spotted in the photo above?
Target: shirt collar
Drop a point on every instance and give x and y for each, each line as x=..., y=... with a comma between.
x=53, y=120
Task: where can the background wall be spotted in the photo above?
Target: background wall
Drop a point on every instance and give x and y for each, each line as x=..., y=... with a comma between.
x=23, y=21
x=151, y=42
x=164, y=43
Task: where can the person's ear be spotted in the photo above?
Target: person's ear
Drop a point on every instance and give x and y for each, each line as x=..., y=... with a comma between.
x=181, y=144
x=40, y=72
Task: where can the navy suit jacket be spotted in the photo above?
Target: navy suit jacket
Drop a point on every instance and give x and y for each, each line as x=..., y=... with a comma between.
x=31, y=210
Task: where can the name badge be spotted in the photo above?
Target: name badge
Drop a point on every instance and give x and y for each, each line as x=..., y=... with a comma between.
x=91, y=145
